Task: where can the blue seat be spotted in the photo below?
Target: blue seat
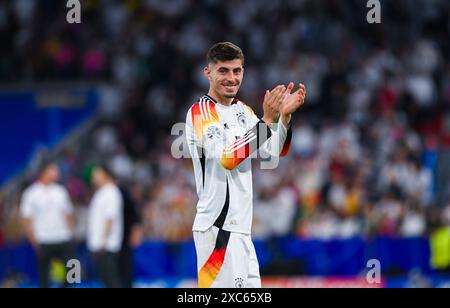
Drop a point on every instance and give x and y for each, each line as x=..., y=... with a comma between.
x=152, y=260
x=185, y=260
x=263, y=253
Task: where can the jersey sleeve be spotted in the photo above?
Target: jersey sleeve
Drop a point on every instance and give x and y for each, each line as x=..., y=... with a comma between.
x=26, y=205
x=280, y=141
x=204, y=131
x=68, y=206
x=113, y=201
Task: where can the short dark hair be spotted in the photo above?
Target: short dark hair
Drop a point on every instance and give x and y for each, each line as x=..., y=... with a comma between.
x=45, y=164
x=106, y=169
x=224, y=51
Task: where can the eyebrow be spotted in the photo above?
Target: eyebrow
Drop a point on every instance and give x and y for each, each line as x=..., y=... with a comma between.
x=226, y=68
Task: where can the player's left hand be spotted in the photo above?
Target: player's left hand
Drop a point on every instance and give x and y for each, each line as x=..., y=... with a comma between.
x=292, y=101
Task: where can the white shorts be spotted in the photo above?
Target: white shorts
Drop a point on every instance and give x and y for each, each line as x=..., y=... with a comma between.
x=226, y=260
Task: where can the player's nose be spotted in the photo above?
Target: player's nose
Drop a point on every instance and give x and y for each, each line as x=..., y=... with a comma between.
x=230, y=76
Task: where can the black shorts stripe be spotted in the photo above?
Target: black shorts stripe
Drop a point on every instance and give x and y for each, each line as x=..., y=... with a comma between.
x=222, y=239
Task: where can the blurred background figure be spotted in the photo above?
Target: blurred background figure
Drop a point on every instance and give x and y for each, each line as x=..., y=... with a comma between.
x=440, y=240
x=105, y=227
x=132, y=237
x=48, y=219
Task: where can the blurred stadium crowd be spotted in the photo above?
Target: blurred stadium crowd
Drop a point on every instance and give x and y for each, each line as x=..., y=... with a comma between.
x=368, y=153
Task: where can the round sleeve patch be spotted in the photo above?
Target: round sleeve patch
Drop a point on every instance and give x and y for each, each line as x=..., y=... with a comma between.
x=213, y=132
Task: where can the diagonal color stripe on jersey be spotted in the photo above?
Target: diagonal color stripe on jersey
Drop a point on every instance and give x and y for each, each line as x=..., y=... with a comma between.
x=249, y=134
x=231, y=159
x=208, y=273
x=239, y=142
x=240, y=145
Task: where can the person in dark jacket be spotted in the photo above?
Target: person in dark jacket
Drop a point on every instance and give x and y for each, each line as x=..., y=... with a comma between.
x=132, y=237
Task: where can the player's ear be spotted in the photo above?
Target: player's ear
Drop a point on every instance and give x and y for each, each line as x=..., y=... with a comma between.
x=207, y=73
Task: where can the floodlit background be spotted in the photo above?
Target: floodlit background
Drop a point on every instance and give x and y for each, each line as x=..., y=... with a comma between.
x=369, y=169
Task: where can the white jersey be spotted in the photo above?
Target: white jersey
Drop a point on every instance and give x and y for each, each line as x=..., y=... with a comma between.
x=107, y=203
x=221, y=142
x=48, y=206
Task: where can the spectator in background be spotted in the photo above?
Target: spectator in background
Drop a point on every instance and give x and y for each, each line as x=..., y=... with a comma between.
x=47, y=212
x=105, y=227
x=374, y=101
x=439, y=241
x=132, y=237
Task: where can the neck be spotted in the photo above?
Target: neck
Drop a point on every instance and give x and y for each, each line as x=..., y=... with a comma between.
x=44, y=182
x=104, y=183
x=219, y=98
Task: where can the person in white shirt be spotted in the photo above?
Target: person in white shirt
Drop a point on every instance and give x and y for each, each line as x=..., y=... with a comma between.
x=48, y=220
x=105, y=226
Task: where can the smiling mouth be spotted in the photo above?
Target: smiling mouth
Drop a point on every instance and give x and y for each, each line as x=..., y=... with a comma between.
x=230, y=86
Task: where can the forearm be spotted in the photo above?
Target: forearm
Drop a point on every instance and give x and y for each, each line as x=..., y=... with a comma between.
x=286, y=120
x=71, y=223
x=136, y=235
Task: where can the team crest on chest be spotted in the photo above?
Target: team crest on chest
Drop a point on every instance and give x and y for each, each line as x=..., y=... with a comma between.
x=241, y=119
